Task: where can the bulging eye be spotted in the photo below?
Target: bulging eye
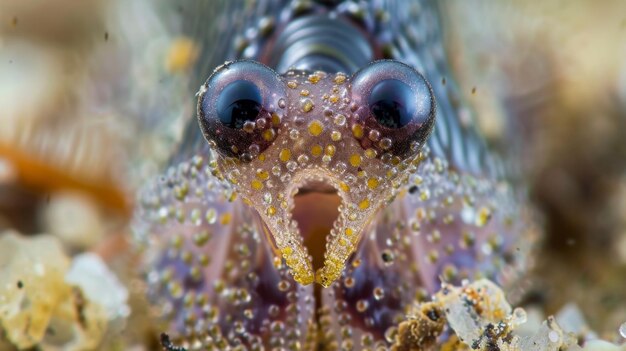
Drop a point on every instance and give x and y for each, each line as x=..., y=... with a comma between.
x=392, y=103
x=238, y=103
x=395, y=108
x=238, y=109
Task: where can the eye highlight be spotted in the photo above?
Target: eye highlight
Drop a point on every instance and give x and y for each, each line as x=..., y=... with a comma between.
x=395, y=108
x=238, y=103
x=392, y=103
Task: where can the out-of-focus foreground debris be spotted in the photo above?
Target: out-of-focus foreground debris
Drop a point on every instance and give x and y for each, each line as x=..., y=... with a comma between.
x=53, y=302
x=480, y=318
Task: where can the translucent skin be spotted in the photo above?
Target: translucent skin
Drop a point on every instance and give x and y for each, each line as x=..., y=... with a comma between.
x=227, y=262
x=319, y=132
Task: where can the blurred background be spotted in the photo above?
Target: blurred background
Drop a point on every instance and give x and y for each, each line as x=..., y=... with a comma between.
x=94, y=96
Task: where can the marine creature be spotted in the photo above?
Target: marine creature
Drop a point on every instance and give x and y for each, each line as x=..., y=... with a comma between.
x=349, y=105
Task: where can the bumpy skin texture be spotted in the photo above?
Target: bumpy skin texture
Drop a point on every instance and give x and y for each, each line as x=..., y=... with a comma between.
x=226, y=264
x=316, y=130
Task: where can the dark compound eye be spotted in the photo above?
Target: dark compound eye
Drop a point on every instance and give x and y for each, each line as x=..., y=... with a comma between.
x=394, y=106
x=238, y=103
x=392, y=103
x=236, y=106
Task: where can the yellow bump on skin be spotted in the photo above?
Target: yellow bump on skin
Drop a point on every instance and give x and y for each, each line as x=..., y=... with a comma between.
x=262, y=157
x=433, y=256
x=262, y=174
x=314, y=78
x=420, y=214
x=357, y=131
x=340, y=79
x=233, y=179
x=355, y=160
x=335, y=135
x=370, y=153
x=316, y=150
x=271, y=211
x=330, y=150
x=349, y=231
x=304, y=92
x=315, y=128
x=284, y=155
x=292, y=85
x=177, y=242
x=275, y=120
x=269, y=134
x=286, y=251
x=307, y=105
x=333, y=99
x=345, y=187
x=201, y=238
x=417, y=180
x=248, y=127
x=484, y=215
x=226, y=217
x=278, y=262
x=256, y=185
x=365, y=204
x=372, y=183
x=361, y=174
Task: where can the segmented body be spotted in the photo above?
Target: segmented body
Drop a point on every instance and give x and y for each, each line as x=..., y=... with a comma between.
x=217, y=265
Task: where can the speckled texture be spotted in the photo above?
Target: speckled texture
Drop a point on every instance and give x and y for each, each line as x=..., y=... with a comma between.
x=227, y=262
x=211, y=226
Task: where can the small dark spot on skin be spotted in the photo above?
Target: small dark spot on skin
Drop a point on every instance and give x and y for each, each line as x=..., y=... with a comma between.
x=14, y=21
x=413, y=189
x=20, y=284
x=474, y=90
x=180, y=9
x=443, y=81
x=106, y=36
x=50, y=331
x=387, y=257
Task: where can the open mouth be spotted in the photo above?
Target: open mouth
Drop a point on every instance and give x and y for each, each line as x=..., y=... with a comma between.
x=316, y=208
x=316, y=223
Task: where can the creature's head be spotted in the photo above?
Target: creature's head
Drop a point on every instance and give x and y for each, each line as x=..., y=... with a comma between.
x=277, y=135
